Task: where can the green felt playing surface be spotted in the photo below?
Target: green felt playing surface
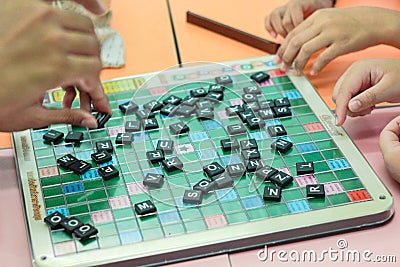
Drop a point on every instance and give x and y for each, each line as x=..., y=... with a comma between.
x=109, y=204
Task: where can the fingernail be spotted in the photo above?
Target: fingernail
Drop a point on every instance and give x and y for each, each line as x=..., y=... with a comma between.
x=296, y=72
x=277, y=59
x=102, y=8
x=313, y=72
x=273, y=34
x=284, y=67
x=89, y=123
x=336, y=120
x=354, y=105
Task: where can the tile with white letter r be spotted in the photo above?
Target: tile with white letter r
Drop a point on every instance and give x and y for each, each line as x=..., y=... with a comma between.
x=315, y=190
x=172, y=164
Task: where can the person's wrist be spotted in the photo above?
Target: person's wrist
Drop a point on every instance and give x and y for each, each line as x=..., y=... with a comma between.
x=390, y=33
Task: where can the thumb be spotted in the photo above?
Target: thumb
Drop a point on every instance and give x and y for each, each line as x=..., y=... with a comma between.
x=76, y=117
x=368, y=98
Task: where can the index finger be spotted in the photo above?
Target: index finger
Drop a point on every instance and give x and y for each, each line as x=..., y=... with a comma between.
x=268, y=26
x=276, y=21
x=303, y=33
x=95, y=91
x=348, y=85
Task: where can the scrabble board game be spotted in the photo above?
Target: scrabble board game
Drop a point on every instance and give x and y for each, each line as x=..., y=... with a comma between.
x=206, y=159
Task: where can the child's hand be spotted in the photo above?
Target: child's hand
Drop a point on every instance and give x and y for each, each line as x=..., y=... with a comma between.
x=340, y=31
x=285, y=18
x=390, y=147
x=42, y=48
x=364, y=84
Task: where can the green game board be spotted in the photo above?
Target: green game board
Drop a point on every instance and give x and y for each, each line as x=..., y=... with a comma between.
x=228, y=219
